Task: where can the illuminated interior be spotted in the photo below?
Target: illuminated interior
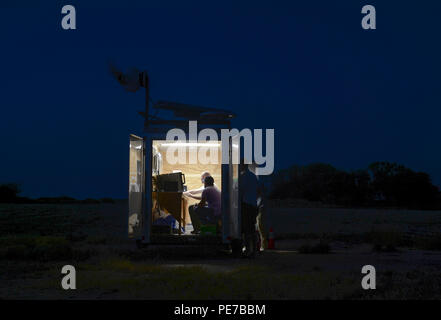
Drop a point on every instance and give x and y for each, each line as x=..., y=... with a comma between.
x=174, y=202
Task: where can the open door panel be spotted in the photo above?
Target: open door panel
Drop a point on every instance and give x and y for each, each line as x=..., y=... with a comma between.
x=136, y=187
x=233, y=185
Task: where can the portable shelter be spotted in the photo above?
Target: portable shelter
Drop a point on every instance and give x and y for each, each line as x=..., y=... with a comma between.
x=147, y=161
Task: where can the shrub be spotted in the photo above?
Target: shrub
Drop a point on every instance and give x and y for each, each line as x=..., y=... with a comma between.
x=431, y=243
x=60, y=200
x=385, y=241
x=90, y=201
x=97, y=240
x=36, y=248
x=320, y=248
x=107, y=200
x=9, y=192
x=14, y=252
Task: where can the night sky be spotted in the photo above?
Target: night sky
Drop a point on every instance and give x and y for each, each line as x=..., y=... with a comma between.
x=333, y=92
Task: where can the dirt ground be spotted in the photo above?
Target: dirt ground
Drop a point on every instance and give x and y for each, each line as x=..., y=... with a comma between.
x=38, y=240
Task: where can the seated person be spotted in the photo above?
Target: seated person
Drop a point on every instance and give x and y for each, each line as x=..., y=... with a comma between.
x=208, y=211
x=196, y=193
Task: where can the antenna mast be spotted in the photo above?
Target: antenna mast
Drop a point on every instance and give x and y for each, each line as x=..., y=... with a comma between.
x=145, y=84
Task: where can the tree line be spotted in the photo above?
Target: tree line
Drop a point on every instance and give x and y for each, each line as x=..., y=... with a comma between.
x=10, y=193
x=382, y=184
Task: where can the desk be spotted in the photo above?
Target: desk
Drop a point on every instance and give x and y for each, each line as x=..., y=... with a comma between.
x=175, y=203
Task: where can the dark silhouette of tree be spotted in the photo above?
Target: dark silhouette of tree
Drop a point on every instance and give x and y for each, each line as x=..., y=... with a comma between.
x=384, y=184
x=307, y=182
x=9, y=192
x=396, y=185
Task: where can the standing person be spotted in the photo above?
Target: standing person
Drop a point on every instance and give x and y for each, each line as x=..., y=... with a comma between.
x=208, y=210
x=260, y=208
x=248, y=193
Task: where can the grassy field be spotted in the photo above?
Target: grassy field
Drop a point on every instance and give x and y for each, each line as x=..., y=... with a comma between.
x=319, y=255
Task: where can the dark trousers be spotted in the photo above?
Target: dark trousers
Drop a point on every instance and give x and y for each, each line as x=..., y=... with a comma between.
x=201, y=215
x=249, y=215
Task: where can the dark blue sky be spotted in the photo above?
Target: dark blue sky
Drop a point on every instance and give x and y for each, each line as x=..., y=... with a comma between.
x=333, y=92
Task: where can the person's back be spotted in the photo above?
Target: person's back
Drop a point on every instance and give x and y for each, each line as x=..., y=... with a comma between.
x=248, y=191
x=212, y=196
x=248, y=187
